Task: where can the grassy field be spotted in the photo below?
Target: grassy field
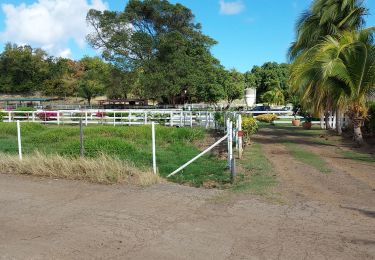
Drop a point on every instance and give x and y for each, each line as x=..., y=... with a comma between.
x=174, y=147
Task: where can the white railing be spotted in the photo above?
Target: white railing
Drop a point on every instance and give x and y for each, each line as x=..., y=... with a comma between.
x=175, y=117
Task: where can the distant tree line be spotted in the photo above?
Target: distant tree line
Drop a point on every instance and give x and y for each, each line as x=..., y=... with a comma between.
x=153, y=50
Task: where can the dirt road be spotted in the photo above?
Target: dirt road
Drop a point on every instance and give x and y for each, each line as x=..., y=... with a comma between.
x=317, y=216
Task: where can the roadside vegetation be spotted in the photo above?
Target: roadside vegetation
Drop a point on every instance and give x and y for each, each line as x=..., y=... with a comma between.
x=102, y=169
x=174, y=146
x=307, y=157
x=258, y=175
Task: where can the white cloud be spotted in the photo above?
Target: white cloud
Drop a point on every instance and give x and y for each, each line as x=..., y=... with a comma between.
x=230, y=8
x=49, y=24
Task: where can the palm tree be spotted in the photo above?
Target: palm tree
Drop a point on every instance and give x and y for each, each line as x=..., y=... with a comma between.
x=338, y=72
x=274, y=95
x=326, y=17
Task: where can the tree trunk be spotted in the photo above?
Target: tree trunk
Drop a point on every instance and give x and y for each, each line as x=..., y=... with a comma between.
x=338, y=122
x=358, y=138
x=327, y=116
x=89, y=100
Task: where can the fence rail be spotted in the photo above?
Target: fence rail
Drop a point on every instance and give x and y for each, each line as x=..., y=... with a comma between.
x=125, y=117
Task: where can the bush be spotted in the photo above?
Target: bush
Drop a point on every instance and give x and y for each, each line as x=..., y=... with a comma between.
x=219, y=118
x=2, y=115
x=249, y=126
x=370, y=123
x=267, y=118
x=25, y=109
x=47, y=116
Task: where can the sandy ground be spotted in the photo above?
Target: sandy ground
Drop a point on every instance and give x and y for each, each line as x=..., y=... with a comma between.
x=315, y=216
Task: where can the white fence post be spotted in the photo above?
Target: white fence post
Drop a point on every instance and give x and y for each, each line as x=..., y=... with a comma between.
x=19, y=140
x=153, y=148
x=145, y=118
x=9, y=116
x=171, y=121
x=86, y=118
x=129, y=117
x=230, y=143
x=239, y=136
x=58, y=118
x=191, y=119
x=114, y=118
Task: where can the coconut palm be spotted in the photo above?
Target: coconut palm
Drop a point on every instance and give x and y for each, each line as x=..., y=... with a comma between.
x=274, y=95
x=338, y=73
x=326, y=17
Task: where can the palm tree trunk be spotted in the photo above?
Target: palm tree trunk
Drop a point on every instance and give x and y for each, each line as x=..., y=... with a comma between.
x=327, y=115
x=338, y=122
x=358, y=138
x=322, y=120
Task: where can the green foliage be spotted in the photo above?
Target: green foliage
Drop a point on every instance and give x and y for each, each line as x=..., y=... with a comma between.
x=370, y=122
x=267, y=118
x=219, y=118
x=164, y=46
x=2, y=115
x=326, y=17
x=234, y=85
x=25, y=109
x=249, y=126
x=22, y=69
x=267, y=77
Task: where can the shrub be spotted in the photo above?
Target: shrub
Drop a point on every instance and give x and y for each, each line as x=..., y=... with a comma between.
x=2, y=115
x=25, y=109
x=267, y=118
x=219, y=118
x=47, y=116
x=249, y=127
x=370, y=123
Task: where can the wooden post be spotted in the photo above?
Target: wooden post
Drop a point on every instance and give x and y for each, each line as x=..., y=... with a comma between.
x=19, y=140
x=153, y=148
x=81, y=138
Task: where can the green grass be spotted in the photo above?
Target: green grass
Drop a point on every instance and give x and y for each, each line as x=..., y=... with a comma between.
x=174, y=147
x=307, y=157
x=356, y=156
x=258, y=176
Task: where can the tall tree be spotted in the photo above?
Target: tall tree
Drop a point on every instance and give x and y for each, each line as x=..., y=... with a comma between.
x=161, y=40
x=326, y=17
x=338, y=71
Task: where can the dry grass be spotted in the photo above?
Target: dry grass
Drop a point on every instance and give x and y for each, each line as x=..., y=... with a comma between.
x=103, y=169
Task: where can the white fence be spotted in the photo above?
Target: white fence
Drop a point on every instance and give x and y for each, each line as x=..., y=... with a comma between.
x=125, y=117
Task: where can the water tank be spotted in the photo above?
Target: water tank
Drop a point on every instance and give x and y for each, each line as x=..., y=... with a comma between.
x=250, y=96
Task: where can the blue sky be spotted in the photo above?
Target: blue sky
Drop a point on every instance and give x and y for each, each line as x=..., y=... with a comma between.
x=249, y=32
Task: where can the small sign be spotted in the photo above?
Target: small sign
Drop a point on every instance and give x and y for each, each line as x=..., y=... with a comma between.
x=240, y=133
